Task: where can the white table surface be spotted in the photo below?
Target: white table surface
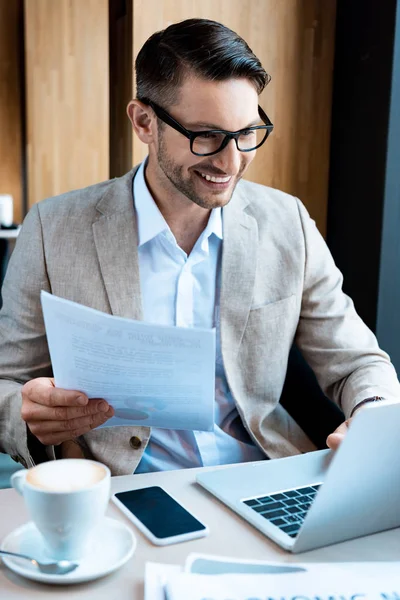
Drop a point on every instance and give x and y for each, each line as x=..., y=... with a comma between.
x=229, y=536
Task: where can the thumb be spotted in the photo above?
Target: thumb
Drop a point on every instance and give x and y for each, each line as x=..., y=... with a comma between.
x=334, y=440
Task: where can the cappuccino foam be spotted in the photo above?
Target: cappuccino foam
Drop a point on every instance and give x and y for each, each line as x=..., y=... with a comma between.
x=66, y=475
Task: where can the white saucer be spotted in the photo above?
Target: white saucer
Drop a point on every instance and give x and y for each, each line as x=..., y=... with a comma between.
x=111, y=545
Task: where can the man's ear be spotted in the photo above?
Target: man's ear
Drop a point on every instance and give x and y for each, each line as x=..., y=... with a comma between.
x=143, y=120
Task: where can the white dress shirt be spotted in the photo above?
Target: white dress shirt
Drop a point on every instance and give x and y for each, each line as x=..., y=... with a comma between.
x=183, y=290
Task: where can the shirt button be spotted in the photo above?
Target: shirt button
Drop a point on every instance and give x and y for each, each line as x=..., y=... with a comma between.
x=135, y=442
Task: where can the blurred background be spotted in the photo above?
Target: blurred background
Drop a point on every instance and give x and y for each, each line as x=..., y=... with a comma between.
x=66, y=75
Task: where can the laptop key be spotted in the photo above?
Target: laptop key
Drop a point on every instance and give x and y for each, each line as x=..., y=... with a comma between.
x=251, y=502
x=291, y=502
x=260, y=508
x=294, y=509
x=305, y=490
x=306, y=506
x=266, y=500
x=305, y=500
x=272, y=506
x=292, y=494
x=290, y=528
x=278, y=522
x=294, y=519
x=273, y=514
x=278, y=496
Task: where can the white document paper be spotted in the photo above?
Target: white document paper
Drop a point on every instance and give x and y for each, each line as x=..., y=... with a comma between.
x=152, y=375
x=354, y=581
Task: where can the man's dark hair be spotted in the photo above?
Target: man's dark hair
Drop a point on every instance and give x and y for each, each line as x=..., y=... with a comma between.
x=206, y=48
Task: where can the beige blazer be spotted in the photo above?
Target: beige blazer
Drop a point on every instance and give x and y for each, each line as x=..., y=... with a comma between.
x=278, y=284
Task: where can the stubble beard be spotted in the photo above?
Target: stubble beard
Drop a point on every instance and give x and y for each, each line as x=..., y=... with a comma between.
x=174, y=173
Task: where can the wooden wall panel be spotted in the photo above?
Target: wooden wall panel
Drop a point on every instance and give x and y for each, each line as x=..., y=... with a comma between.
x=67, y=89
x=295, y=41
x=10, y=104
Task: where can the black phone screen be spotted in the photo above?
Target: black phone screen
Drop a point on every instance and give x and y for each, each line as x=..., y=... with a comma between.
x=160, y=513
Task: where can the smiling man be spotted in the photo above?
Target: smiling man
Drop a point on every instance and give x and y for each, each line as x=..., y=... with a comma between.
x=195, y=164
x=182, y=240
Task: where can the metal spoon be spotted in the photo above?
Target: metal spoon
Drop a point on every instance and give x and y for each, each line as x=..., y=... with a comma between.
x=61, y=567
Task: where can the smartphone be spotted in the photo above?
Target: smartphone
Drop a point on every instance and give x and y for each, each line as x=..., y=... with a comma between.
x=159, y=516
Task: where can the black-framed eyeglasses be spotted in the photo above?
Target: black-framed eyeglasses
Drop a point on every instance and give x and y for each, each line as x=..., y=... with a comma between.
x=206, y=143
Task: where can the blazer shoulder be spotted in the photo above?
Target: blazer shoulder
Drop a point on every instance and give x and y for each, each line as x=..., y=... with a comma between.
x=84, y=196
x=83, y=201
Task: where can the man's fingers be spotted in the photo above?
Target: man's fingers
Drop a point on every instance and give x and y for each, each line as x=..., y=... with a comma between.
x=334, y=440
x=38, y=412
x=48, y=433
x=46, y=427
x=55, y=415
x=42, y=391
x=59, y=397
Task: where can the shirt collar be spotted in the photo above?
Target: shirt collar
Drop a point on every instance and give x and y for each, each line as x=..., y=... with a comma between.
x=214, y=225
x=149, y=218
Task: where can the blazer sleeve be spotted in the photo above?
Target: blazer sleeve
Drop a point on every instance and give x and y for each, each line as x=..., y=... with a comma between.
x=24, y=353
x=340, y=348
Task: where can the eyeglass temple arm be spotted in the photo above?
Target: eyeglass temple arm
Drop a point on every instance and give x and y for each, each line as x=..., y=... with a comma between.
x=264, y=117
x=164, y=116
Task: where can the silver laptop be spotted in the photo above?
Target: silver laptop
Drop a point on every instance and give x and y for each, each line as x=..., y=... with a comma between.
x=324, y=497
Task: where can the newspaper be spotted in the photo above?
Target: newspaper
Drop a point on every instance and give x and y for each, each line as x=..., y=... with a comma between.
x=218, y=578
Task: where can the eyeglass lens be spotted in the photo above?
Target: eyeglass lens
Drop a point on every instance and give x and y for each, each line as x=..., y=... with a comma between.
x=211, y=142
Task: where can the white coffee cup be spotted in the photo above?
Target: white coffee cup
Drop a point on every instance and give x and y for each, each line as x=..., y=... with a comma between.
x=66, y=500
x=6, y=210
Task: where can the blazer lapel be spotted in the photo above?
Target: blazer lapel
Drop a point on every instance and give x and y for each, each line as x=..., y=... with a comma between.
x=115, y=236
x=239, y=254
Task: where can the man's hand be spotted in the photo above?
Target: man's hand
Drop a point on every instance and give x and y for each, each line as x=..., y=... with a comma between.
x=334, y=440
x=55, y=415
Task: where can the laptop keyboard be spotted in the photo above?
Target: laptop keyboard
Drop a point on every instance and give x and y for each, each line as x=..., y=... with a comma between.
x=286, y=510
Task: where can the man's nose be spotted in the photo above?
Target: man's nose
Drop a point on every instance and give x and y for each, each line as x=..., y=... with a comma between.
x=228, y=159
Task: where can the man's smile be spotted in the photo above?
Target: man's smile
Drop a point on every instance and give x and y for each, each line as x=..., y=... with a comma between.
x=214, y=182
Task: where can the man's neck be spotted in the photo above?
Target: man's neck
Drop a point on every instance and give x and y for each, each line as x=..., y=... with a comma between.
x=186, y=219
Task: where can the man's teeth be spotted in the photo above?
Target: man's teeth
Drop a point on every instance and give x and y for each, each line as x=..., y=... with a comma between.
x=216, y=179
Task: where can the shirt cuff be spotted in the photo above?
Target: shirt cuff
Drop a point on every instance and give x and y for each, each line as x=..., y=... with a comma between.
x=366, y=401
